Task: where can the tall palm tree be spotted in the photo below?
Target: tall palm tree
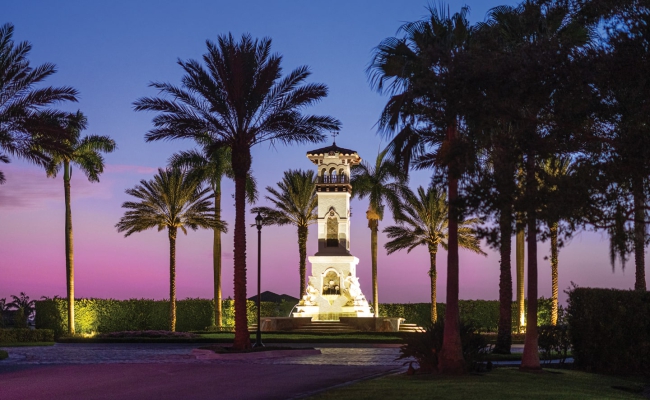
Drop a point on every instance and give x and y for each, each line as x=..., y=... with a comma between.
x=540, y=40
x=382, y=184
x=623, y=85
x=239, y=101
x=174, y=200
x=420, y=72
x=422, y=221
x=25, y=127
x=295, y=204
x=211, y=167
x=555, y=169
x=85, y=154
x=520, y=243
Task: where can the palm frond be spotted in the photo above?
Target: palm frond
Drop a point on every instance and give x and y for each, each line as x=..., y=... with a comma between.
x=172, y=199
x=294, y=201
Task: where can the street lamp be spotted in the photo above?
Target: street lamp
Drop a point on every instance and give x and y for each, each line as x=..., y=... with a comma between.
x=258, y=223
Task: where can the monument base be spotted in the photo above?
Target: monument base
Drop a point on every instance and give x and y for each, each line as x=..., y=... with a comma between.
x=333, y=291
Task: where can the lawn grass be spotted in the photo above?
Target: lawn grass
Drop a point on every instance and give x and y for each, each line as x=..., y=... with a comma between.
x=26, y=344
x=501, y=383
x=517, y=357
x=3, y=354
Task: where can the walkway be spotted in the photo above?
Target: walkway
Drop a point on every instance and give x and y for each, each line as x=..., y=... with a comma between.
x=146, y=353
x=168, y=371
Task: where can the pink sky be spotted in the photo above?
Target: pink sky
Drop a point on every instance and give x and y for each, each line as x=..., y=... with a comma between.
x=107, y=265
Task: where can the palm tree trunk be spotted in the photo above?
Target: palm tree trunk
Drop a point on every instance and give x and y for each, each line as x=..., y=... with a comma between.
x=504, y=335
x=216, y=258
x=302, y=249
x=521, y=238
x=554, y=275
x=433, y=274
x=373, y=224
x=451, y=355
x=69, y=251
x=639, y=238
x=530, y=358
x=241, y=163
x=172, y=278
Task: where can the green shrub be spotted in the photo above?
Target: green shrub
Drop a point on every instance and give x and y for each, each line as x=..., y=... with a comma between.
x=610, y=330
x=108, y=315
x=20, y=319
x=3, y=354
x=425, y=346
x=482, y=314
x=26, y=335
x=554, y=339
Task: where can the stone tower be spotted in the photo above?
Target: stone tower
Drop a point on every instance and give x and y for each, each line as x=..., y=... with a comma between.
x=333, y=290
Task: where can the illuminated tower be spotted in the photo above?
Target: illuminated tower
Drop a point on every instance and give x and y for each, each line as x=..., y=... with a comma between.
x=333, y=289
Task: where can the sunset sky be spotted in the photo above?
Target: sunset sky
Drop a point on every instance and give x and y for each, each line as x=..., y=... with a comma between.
x=111, y=50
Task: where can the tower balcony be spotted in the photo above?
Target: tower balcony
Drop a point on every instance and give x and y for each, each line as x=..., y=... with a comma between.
x=333, y=183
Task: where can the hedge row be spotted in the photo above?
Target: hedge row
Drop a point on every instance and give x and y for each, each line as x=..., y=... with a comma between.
x=610, y=330
x=482, y=314
x=108, y=315
x=26, y=335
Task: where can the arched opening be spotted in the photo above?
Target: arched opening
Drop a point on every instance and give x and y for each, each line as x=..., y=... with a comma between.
x=341, y=176
x=332, y=175
x=331, y=283
x=332, y=231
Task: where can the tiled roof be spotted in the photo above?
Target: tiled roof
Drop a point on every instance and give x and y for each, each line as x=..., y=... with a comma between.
x=334, y=148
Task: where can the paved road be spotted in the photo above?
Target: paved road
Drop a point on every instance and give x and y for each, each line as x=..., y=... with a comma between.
x=168, y=371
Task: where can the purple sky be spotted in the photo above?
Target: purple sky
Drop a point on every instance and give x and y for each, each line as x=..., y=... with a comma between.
x=110, y=51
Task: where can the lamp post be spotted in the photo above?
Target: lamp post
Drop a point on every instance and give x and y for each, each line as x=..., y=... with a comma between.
x=258, y=223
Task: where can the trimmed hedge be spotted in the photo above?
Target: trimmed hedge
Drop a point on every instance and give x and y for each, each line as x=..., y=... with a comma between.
x=108, y=315
x=482, y=314
x=610, y=330
x=26, y=335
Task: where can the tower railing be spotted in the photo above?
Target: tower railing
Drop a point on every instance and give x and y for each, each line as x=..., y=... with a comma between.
x=329, y=179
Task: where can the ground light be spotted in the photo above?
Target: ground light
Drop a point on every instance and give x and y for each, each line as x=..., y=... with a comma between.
x=258, y=223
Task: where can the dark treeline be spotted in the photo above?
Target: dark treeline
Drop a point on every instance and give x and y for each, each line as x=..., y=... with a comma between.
x=535, y=120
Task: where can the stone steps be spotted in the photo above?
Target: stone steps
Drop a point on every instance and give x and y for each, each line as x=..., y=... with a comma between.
x=410, y=328
x=318, y=327
x=325, y=327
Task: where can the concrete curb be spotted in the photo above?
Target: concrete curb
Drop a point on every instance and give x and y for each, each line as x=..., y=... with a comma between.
x=211, y=355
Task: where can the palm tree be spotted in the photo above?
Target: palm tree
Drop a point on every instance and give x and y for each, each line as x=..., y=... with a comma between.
x=538, y=39
x=240, y=100
x=85, y=153
x=295, y=204
x=24, y=306
x=555, y=169
x=420, y=73
x=25, y=127
x=173, y=200
x=622, y=86
x=519, y=256
x=3, y=159
x=211, y=167
x=381, y=183
x=422, y=221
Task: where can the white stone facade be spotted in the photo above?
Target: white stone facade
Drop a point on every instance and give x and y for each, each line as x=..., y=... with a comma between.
x=333, y=290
